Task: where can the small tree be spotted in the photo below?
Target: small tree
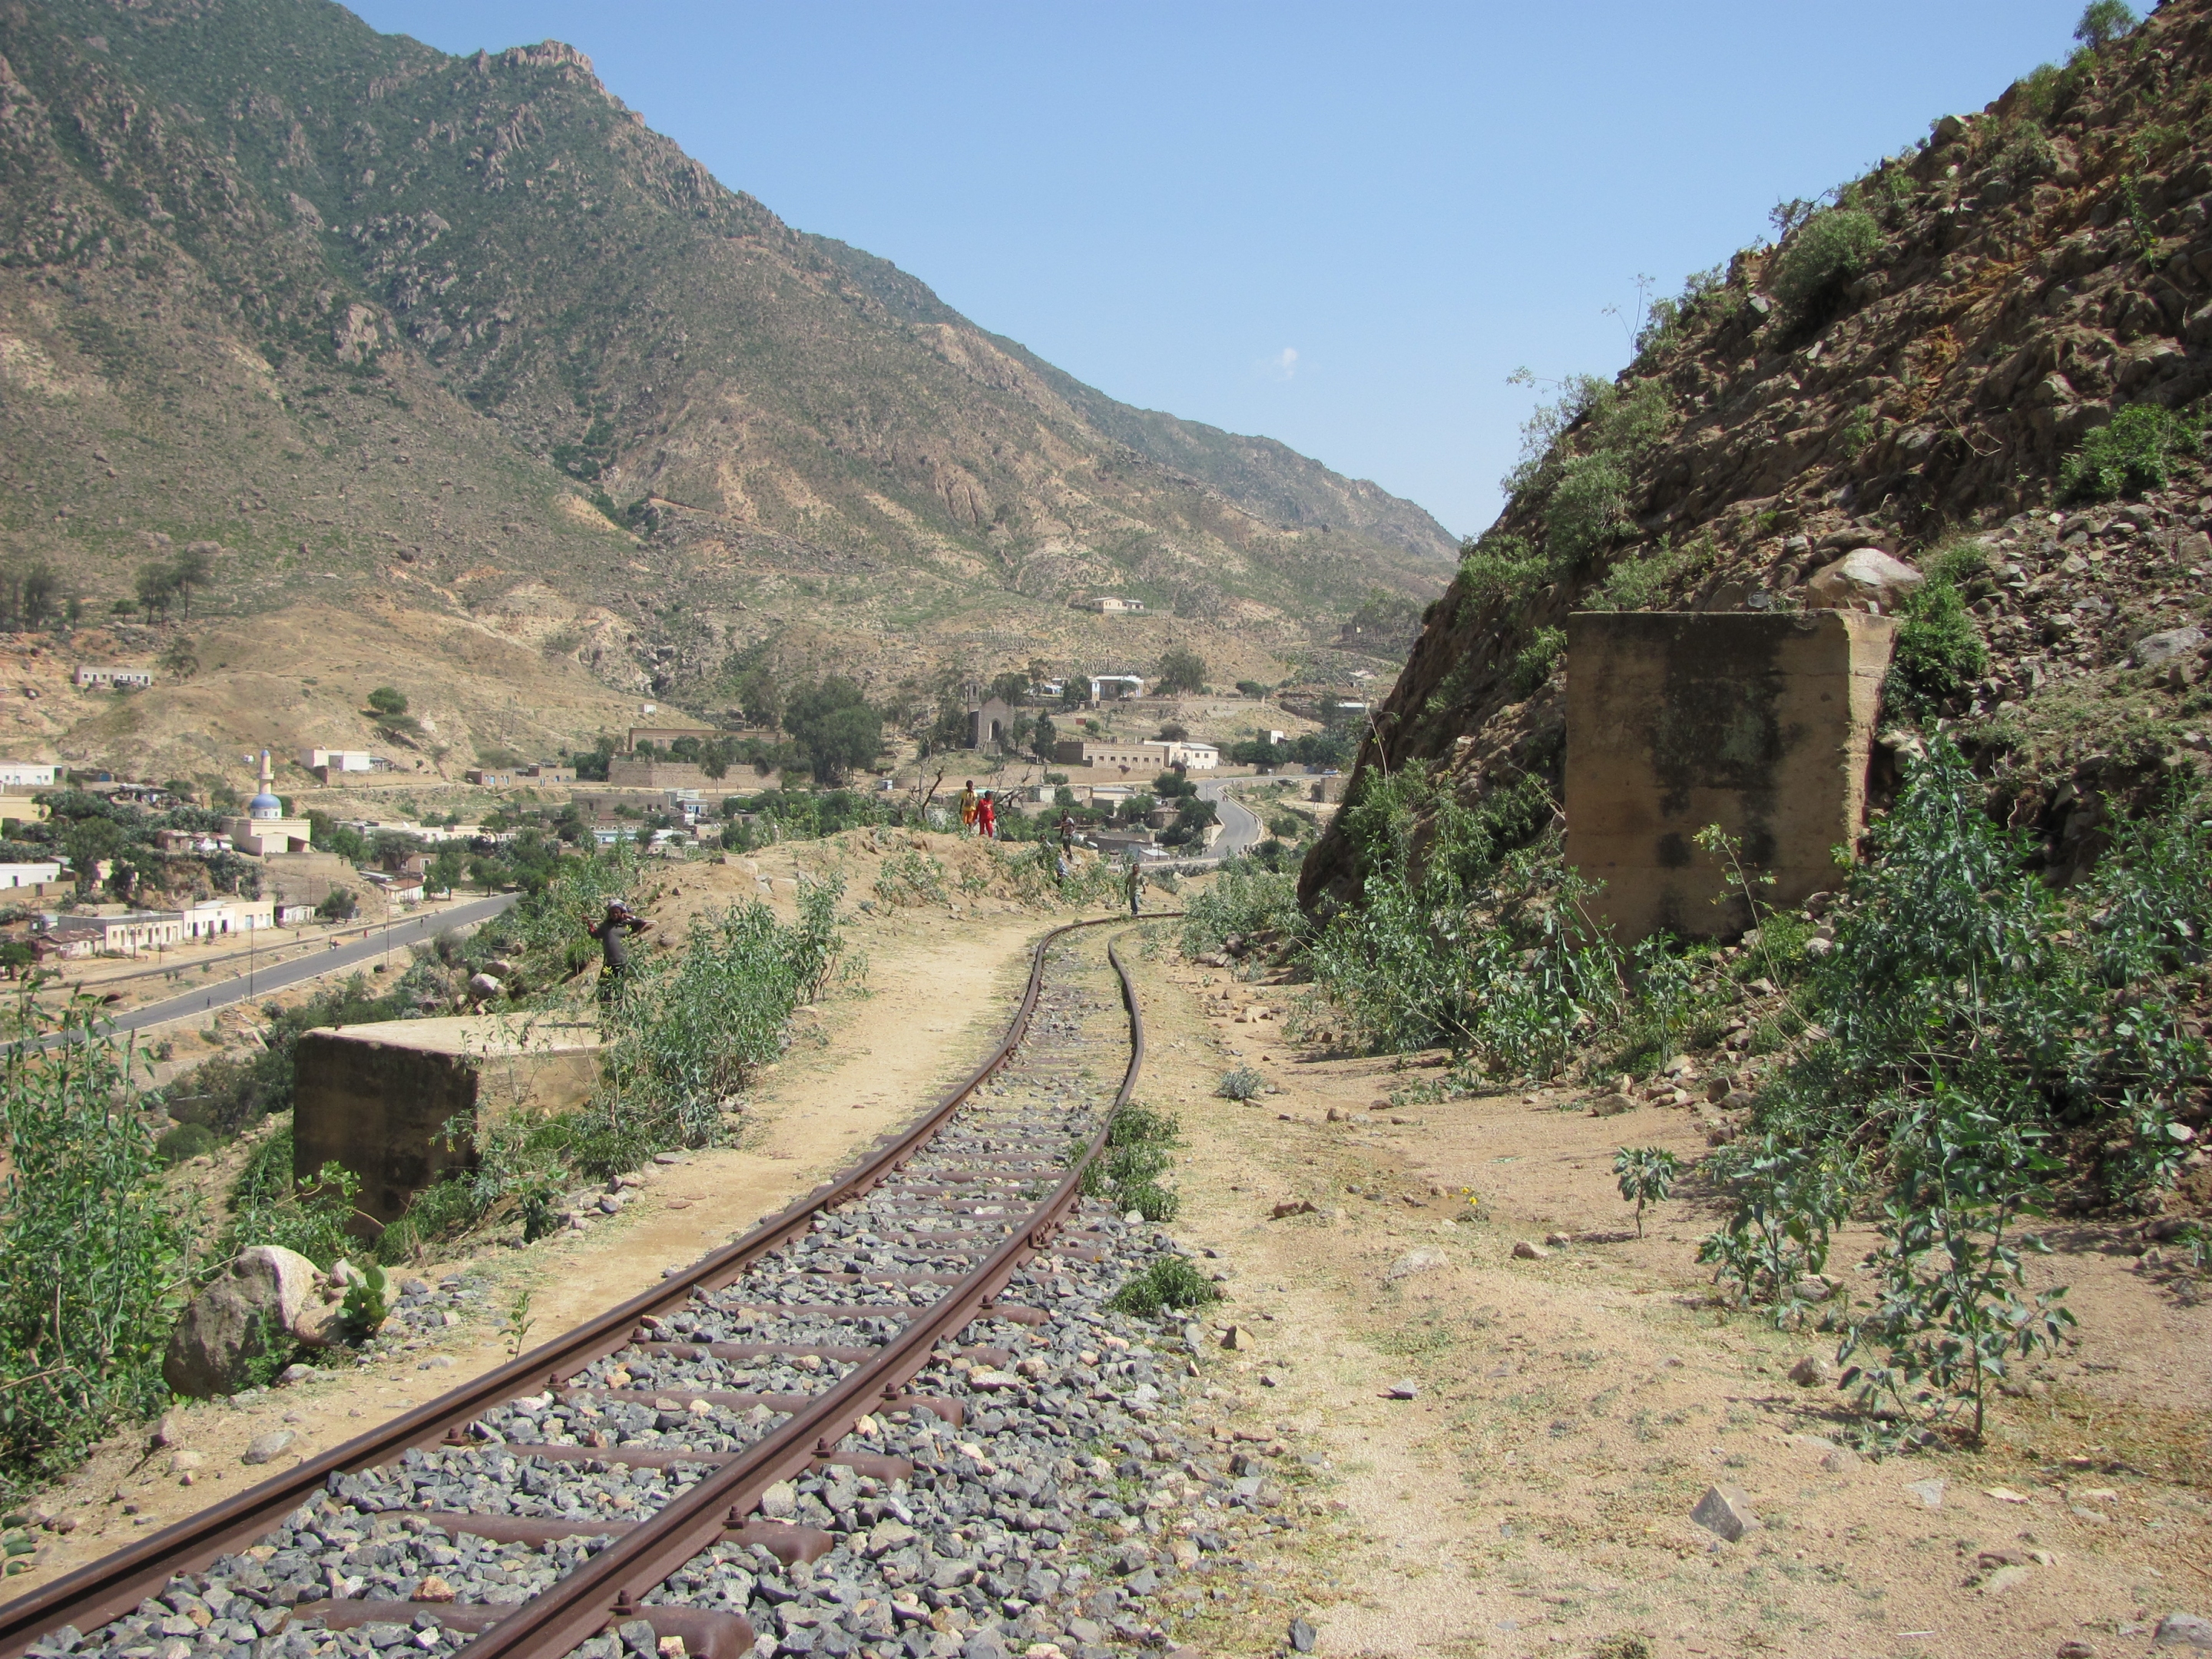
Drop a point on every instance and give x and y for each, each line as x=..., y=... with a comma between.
x=178, y=659
x=446, y=867
x=192, y=568
x=338, y=905
x=2104, y=22
x=1646, y=1176
x=157, y=591
x=1182, y=670
x=387, y=701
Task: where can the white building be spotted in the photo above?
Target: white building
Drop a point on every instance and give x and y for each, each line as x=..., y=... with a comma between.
x=28, y=775
x=264, y=829
x=337, y=760
x=1192, y=756
x=128, y=934
x=1107, y=605
x=115, y=679
x=213, y=917
x=28, y=875
x=1105, y=686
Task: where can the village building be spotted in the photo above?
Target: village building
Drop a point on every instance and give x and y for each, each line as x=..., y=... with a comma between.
x=1108, y=604
x=114, y=679
x=265, y=828
x=28, y=875
x=27, y=774
x=212, y=918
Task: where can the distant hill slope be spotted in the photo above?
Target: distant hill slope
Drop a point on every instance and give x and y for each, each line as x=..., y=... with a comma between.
x=1913, y=367
x=464, y=331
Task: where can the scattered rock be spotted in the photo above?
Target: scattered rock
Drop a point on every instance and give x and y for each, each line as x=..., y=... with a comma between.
x=1302, y=1636
x=1930, y=1492
x=1611, y=1105
x=267, y=1448
x=991, y=1381
x=1840, y=1460
x=295, y=1373
x=2005, y=1578
x=2005, y=1494
x=1292, y=1206
x=168, y=1431
x=1812, y=1371
x=434, y=1589
x=1238, y=1340
x=485, y=987
x=184, y=1462
x=1527, y=1250
x=1417, y=1261
x=1558, y=1241
x=1404, y=1388
x=780, y=1501
x=2077, y=1650
x=1726, y=1510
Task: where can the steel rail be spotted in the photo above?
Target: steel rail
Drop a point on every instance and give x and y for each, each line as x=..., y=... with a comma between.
x=608, y=1586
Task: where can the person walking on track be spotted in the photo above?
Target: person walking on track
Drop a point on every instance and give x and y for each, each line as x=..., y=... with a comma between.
x=1136, y=885
x=986, y=817
x=614, y=932
x=969, y=804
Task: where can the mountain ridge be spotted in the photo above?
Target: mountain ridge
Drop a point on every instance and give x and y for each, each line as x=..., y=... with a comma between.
x=465, y=331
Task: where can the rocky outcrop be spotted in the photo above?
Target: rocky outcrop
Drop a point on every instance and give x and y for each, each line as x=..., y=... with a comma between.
x=1910, y=368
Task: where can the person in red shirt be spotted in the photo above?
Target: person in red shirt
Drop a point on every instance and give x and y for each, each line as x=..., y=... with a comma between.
x=986, y=817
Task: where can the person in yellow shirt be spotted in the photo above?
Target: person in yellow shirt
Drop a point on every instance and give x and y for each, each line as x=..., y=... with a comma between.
x=969, y=805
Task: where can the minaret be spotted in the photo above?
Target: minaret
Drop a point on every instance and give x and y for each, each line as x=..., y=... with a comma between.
x=265, y=804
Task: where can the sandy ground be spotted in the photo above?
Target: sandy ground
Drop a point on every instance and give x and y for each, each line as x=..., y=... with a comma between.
x=1535, y=1496
x=935, y=998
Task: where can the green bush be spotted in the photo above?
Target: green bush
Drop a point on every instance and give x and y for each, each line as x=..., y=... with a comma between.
x=92, y=1251
x=1938, y=651
x=1138, y=1152
x=312, y=1217
x=1173, y=1281
x=1469, y=933
x=1240, y=1083
x=441, y=1211
x=1243, y=901
x=2132, y=453
x=1533, y=668
x=693, y=1026
x=1587, y=508
x=1826, y=252
x=185, y=1140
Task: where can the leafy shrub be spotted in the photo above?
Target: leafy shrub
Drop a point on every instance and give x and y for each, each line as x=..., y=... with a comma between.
x=1533, y=666
x=1477, y=939
x=1789, y=1198
x=1938, y=651
x=1137, y=1153
x=911, y=878
x=1170, y=1282
x=1827, y=250
x=185, y=1140
x=1587, y=507
x=1645, y=1175
x=1243, y=901
x=368, y=1301
x=312, y=1217
x=692, y=1027
x=91, y=1251
x=2132, y=453
x=1241, y=1082
x=441, y=1211
x=1499, y=567
x=1638, y=583
x=1954, y=1309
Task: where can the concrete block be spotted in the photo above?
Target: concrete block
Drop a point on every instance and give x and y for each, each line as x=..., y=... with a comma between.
x=1757, y=721
x=375, y=1098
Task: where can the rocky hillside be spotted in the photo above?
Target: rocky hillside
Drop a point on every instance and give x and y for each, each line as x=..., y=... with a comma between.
x=357, y=316
x=1986, y=357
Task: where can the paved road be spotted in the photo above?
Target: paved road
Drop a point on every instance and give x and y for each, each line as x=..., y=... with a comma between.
x=414, y=930
x=1241, y=829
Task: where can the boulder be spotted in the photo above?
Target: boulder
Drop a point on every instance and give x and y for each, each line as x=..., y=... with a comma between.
x=484, y=986
x=266, y=1300
x=1725, y=1510
x=2155, y=650
x=1867, y=579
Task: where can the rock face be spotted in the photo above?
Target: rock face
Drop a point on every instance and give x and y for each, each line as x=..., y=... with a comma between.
x=269, y=1300
x=1726, y=1510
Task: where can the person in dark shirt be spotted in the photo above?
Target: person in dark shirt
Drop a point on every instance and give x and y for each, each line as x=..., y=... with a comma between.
x=614, y=932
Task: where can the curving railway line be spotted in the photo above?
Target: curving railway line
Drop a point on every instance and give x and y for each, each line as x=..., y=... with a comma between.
x=791, y=1432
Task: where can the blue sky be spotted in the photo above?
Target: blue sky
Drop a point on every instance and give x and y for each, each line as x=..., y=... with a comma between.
x=1342, y=227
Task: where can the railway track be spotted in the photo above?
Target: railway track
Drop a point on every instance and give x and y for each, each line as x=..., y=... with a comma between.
x=858, y=1430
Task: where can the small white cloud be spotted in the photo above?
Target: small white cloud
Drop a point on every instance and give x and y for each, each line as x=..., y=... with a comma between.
x=1286, y=363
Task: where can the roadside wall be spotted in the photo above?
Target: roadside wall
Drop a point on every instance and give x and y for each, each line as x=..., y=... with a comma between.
x=1760, y=723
